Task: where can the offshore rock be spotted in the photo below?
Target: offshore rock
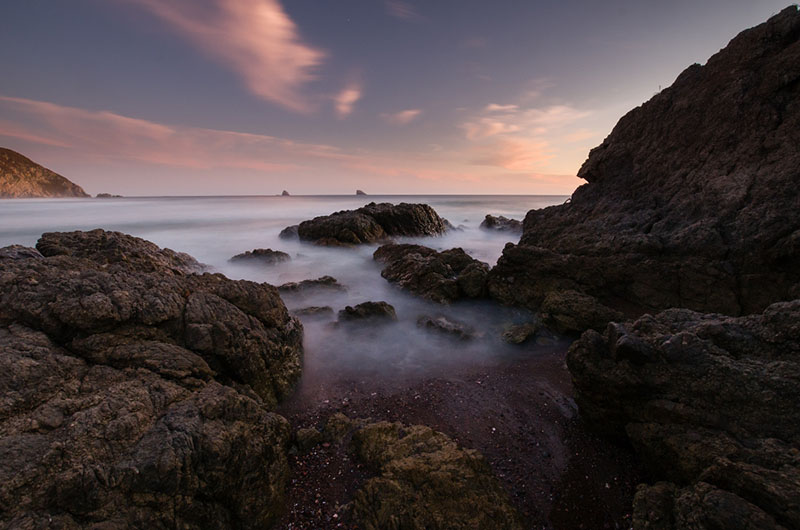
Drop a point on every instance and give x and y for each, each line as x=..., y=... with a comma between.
x=447, y=326
x=368, y=311
x=692, y=200
x=136, y=393
x=21, y=177
x=709, y=403
x=501, y=224
x=322, y=283
x=265, y=256
x=443, y=277
x=370, y=224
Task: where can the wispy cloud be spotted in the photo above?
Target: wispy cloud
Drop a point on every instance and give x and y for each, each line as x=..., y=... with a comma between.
x=345, y=101
x=403, y=117
x=516, y=154
x=494, y=107
x=255, y=38
x=402, y=10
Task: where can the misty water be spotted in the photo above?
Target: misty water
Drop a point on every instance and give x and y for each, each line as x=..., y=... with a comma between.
x=212, y=229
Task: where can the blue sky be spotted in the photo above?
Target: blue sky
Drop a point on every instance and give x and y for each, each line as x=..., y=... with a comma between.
x=146, y=97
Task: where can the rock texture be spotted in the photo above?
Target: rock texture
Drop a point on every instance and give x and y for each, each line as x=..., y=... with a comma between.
x=368, y=311
x=135, y=393
x=370, y=224
x=443, y=277
x=322, y=283
x=21, y=177
x=447, y=326
x=501, y=224
x=265, y=256
x=692, y=200
x=710, y=404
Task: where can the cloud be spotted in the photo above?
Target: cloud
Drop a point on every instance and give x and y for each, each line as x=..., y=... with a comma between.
x=494, y=107
x=402, y=10
x=254, y=38
x=345, y=100
x=403, y=117
x=515, y=154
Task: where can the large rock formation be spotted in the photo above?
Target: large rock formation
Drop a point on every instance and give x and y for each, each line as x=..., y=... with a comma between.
x=692, y=201
x=370, y=224
x=23, y=178
x=443, y=277
x=710, y=404
x=136, y=393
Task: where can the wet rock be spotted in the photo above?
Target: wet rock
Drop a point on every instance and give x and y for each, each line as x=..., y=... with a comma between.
x=443, y=277
x=709, y=403
x=138, y=394
x=265, y=256
x=290, y=232
x=372, y=223
x=520, y=333
x=501, y=224
x=692, y=200
x=328, y=283
x=574, y=312
x=442, y=324
x=426, y=481
x=368, y=310
x=314, y=312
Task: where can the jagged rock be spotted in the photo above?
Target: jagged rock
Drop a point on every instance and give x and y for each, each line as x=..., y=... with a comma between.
x=359, y=192
x=442, y=324
x=574, y=312
x=501, y=224
x=439, y=276
x=692, y=200
x=709, y=403
x=107, y=196
x=520, y=333
x=266, y=256
x=426, y=481
x=321, y=283
x=370, y=224
x=314, y=312
x=21, y=177
x=135, y=393
x=368, y=310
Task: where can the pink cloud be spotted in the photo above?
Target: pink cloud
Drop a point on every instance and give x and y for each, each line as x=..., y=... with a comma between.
x=345, y=101
x=515, y=154
x=254, y=38
x=403, y=117
x=402, y=10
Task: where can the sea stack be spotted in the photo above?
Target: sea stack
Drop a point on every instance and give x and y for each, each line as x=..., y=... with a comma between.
x=21, y=177
x=285, y=193
x=359, y=192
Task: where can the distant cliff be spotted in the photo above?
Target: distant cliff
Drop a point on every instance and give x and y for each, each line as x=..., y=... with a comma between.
x=21, y=177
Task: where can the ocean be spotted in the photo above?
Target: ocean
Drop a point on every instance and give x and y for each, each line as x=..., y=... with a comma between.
x=212, y=229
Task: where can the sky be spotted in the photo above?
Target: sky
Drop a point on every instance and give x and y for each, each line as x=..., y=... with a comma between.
x=251, y=97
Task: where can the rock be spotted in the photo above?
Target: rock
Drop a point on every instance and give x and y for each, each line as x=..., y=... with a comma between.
x=308, y=438
x=136, y=393
x=339, y=426
x=709, y=403
x=501, y=224
x=426, y=481
x=370, y=224
x=520, y=333
x=314, y=312
x=107, y=196
x=443, y=277
x=368, y=310
x=265, y=256
x=574, y=312
x=285, y=193
x=359, y=192
x=442, y=324
x=321, y=283
x=290, y=232
x=21, y=177
x=692, y=200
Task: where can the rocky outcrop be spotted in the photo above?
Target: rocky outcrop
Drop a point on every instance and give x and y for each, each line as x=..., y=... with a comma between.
x=520, y=333
x=136, y=393
x=107, y=196
x=501, y=224
x=368, y=311
x=574, y=312
x=709, y=403
x=370, y=224
x=264, y=256
x=21, y=177
x=285, y=193
x=692, y=200
x=447, y=326
x=328, y=283
x=443, y=277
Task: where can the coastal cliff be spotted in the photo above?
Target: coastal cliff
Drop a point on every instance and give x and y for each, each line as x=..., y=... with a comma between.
x=21, y=177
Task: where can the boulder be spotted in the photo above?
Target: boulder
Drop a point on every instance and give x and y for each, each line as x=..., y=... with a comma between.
x=290, y=232
x=426, y=481
x=136, y=393
x=265, y=256
x=574, y=312
x=443, y=277
x=368, y=311
x=447, y=326
x=691, y=201
x=322, y=283
x=314, y=312
x=521, y=333
x=370, y=224
x=709, y=403
x=501, y=224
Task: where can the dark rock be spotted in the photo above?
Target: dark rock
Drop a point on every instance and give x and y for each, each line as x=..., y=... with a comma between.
x=314, y=312
x=709, y=403
x=19, y=252
x=290, y=232
x=21, y=177
x=442, y=324
x=265, y=256
x=284, y=193
x=439, y=276
x=137, y=394
x=107, y=196
x=368, y=310
x=372, y=223
x=359, y=192
x=308, y=438
x=426, y=481
x=322, y=283
x=520, y=333
x=501, y=224
x=692, y=200
x=574, y=312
